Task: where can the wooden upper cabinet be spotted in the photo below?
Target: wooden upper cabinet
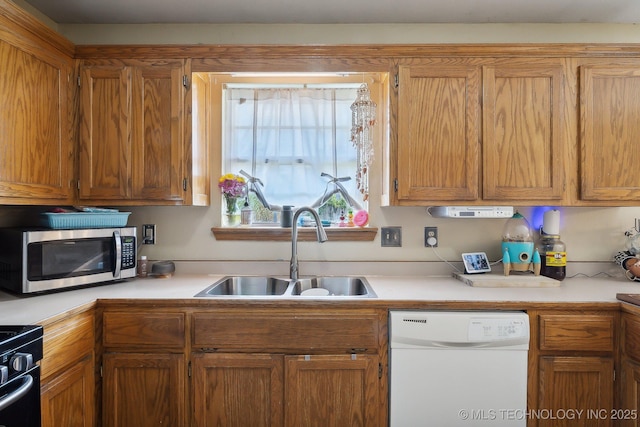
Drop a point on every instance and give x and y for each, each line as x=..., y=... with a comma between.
x=105, y=136
x=36, y=164
x=610, y=132
x=133, y=132
x=481, y=130
x=523, y=140
x=438, y=132
x=158, y=132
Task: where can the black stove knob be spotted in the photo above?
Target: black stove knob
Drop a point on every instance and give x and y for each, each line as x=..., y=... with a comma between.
x=4, y=374
x=21, y=362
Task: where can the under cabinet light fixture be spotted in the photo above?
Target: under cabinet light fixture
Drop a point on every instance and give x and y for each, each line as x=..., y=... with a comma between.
x=470, y=211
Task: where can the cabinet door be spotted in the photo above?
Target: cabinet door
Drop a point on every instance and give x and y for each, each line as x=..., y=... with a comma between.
x=438, y=133
x=68, y=399
x=523, y=140
x=610, y=131
x=105, y=135
x=158, y=132
x=630, y=398
x=341, y=390
x=142, y=390
x=237, y=390
x=577, y=383
x=36, y=162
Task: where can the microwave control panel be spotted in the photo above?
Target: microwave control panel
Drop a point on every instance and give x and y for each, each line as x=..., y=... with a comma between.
x=128, y=252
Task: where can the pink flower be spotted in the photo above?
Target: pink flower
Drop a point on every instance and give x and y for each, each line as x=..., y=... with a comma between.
x=232, y=185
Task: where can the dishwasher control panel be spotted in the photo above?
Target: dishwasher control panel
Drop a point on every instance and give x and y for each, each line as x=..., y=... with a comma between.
x=497, y=328
x=460, y=329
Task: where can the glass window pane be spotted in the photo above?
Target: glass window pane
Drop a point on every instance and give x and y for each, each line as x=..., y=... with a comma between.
x=288, y=137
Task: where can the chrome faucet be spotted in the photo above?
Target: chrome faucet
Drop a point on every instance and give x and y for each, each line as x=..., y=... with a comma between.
x=321, y=234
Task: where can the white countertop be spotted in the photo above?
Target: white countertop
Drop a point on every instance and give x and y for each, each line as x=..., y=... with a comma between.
x=36, y=309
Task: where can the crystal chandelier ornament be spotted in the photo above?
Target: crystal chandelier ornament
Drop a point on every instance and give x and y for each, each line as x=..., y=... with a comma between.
x=363, y=118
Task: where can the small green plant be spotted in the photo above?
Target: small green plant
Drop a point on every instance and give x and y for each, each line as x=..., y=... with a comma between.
x=260, y=213
x=333, y=208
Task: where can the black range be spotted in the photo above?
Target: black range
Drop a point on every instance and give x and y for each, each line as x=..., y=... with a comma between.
x=20, y=352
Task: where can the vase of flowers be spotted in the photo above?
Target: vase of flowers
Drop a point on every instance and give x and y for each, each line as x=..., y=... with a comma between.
x=233, y=188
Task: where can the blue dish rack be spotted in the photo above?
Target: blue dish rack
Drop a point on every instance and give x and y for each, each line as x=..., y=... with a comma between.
x=75, y=220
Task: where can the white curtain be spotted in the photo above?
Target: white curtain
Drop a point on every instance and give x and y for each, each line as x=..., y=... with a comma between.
x=287, y=137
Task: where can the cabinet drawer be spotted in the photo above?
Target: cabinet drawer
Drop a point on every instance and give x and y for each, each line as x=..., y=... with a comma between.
x=631, y=337
x=144, y=330
x=576, y=332
x=283, y=332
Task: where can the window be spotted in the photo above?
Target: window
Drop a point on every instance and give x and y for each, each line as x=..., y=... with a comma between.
x=295, y=138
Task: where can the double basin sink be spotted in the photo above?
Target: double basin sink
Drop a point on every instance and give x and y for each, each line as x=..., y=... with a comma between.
x=323, y=286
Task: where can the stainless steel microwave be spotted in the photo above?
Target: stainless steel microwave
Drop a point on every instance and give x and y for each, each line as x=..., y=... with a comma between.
x=50, y=260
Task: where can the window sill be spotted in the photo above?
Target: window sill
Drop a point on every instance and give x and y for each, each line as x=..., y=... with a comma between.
x=305, y=234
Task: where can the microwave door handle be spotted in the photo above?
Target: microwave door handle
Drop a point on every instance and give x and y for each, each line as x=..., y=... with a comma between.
x=117, y=241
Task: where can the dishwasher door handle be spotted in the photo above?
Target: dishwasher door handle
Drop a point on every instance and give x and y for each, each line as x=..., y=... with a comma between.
x=427, y=344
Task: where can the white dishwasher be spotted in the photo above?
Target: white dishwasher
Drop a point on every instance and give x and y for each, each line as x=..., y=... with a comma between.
x=458, y=368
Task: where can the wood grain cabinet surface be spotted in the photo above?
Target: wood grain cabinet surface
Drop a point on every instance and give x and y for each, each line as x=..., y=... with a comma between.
x=478, y=130
x=36, y=165
x=438, y=132
x=68, y=372
x=630, y=368
x=69, y=399
x=138, y=330
x=144, y=390
x=610, y=131
x=144, y=368
x=572, y=361
x=312, y=366
x=135, y=144
x=291, y=367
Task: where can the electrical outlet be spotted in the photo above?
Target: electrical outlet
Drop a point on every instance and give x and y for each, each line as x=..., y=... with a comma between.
x=431, y=237
x=149, y=234
x=391, y=237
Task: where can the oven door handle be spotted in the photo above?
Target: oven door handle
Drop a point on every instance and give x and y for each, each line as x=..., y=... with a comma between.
x=117, y=242
x=19, y=393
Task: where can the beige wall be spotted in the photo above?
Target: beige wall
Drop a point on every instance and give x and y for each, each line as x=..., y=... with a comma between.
x=350, y=34
x=591, y=234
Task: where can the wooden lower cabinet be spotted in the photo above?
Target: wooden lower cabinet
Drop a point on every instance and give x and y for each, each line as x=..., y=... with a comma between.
x=289, y=367
x=144, y=367
x=572, y=368
x=142, y=389
x=340, y=390
x=630, y=393
x=68, y=399
x=630, y=367
x=272, y=390
x=68, y=372
x=575, y=391
x=237, y=390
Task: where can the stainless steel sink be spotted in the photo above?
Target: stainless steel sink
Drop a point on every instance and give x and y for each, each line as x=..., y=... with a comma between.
x=333, y=286
x=247, y=286
x=322, y=286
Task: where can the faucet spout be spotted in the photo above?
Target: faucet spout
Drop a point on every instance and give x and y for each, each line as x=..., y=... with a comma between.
x=320, y=233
